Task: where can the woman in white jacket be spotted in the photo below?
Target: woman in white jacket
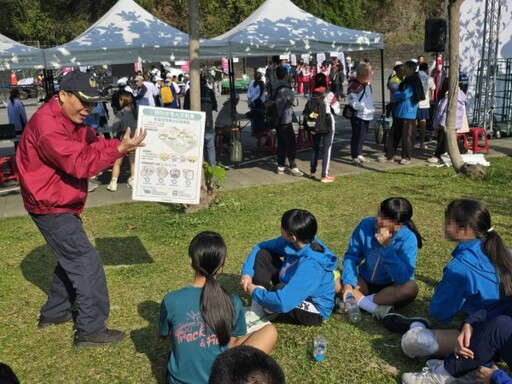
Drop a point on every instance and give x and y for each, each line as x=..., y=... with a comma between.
x=359, y=94
x=332, y=107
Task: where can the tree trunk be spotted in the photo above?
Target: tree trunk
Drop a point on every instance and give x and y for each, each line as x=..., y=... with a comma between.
x=470, y=170
x=453, y=47
x=195, y=97
x=207, y=195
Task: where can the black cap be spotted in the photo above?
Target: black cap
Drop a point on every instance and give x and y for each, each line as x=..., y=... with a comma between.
x=83, y=85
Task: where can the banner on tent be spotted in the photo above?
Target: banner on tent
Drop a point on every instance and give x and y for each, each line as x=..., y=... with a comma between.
x=169, y=168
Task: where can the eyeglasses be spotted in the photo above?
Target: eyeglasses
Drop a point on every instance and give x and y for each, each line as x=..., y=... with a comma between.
x=86, y=105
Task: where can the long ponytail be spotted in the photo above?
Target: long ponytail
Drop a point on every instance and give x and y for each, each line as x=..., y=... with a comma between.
x=468, y=213
x=208, y=253
x=399, y=209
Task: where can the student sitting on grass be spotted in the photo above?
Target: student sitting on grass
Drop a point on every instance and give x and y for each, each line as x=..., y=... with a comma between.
x=246, y=365
x=486, y=336
x=479, y=273
x=378, y=267
x=293, y=273
x=203, y=319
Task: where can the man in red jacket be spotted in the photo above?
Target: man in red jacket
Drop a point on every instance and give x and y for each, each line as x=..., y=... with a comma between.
x=56, y=156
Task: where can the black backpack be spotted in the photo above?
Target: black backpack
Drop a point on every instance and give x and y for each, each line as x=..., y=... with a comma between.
x=315, y=117
x=272, y=117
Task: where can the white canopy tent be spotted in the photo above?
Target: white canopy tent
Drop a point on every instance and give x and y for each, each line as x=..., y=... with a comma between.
x=14, y=55
x=280, y=27
x=125, y=34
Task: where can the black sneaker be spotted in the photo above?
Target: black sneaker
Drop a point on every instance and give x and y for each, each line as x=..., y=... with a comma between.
x=397, y=323
x=109, y=336
x=44, y=322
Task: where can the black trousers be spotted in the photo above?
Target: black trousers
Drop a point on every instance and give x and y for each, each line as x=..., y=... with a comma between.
x=78, y=276
x=286, y=145
x=490, y=340
x=266, y=273
x=402, y=129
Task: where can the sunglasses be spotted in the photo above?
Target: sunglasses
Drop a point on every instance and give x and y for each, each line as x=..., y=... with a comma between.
x=86, y=105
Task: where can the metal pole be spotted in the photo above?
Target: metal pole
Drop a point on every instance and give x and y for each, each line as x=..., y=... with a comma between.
x=382, y=81
x=232, y=90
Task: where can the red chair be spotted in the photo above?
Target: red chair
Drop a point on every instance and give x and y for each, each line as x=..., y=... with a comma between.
x=268, y=143
x=476, y=132
x=304, y=138
x=10, y=173
x=464, y=139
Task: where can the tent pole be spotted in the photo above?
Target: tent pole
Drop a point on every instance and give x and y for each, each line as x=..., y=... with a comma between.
x=232, y=90
x=382, y=81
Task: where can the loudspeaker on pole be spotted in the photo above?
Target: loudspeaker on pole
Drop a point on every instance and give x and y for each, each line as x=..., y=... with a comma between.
x=435, y=35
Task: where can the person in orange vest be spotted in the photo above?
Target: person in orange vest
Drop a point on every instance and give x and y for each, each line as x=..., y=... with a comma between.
x=14, y=79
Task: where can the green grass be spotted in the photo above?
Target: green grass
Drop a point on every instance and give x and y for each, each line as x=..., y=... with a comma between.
x=144, y=249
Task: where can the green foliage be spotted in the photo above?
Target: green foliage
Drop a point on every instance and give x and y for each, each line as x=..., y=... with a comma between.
x=214, y=176
x=144, y=249
x=58, y=21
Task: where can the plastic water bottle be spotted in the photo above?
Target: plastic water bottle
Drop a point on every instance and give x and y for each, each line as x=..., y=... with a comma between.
x=354, y=313
x=319, y=348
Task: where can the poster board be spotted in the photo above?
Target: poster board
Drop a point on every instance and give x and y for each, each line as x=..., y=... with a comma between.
x=169, y=168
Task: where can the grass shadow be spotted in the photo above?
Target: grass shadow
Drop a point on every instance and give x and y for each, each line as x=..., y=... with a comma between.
x=37, y=266
x=427, y=280
x=146, y=341
x=122, y=251
x=231, y=283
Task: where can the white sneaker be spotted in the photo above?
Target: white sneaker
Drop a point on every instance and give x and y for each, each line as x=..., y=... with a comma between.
x=280, y=170
x=357, y=161
x=427, y=376
x=130, y=182
x=296, y=172
x=112, y=186
x=363, y=160
x=433, y=160
x=382, y=310
x=405, y=162
x=254, y=321
x=92, y=186
x=384, y=159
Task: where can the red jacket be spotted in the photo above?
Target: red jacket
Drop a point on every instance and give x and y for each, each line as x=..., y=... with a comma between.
x=55, y=159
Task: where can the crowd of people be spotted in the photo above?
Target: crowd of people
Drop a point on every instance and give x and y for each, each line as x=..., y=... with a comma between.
x=418, y=108
x=294, y=276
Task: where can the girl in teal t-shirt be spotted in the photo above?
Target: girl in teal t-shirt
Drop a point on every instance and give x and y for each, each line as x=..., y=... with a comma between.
x=203, y=319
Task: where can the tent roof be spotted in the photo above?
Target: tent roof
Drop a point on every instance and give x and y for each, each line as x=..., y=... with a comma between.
x=280, y=27
x=124, y=34
x=14, y=55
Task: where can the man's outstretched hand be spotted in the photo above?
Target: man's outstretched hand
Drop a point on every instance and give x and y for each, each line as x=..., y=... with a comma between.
x=129, y=144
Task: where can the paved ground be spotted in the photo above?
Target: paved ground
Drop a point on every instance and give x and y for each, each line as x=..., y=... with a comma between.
x=256, y=169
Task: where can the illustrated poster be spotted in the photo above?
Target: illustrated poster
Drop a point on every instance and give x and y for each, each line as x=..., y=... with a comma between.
x=169, y=168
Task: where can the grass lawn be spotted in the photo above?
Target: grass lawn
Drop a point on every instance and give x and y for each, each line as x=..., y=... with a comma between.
x=144, y=249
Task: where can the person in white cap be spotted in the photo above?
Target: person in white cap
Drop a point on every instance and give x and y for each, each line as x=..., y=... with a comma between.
x=56, y=156
x=143, y=96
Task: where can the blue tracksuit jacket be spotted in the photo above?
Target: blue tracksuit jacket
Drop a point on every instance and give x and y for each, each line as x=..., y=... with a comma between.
x=306, y=273
x=469, y=283
x=376, y=264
